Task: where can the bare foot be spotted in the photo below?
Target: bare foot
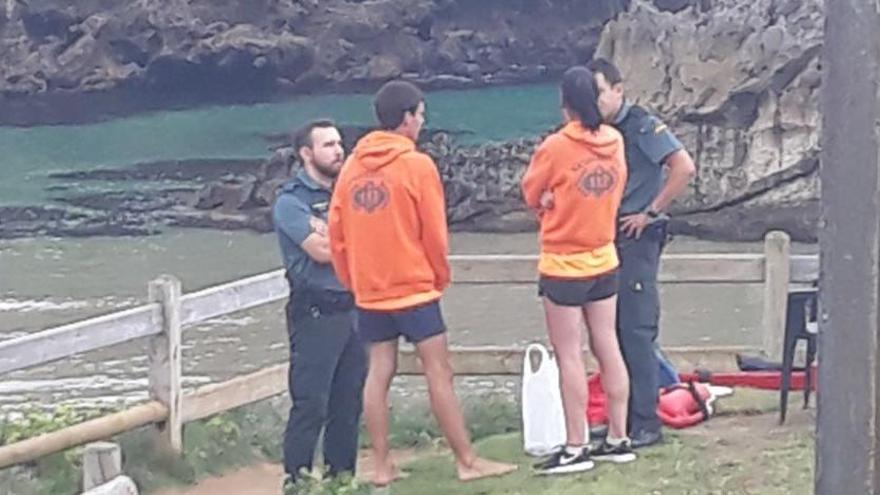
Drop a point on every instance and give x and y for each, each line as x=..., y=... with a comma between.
x=385, y=475
x=483, y=468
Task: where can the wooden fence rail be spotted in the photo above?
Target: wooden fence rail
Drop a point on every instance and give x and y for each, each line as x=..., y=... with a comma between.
x=170, y=312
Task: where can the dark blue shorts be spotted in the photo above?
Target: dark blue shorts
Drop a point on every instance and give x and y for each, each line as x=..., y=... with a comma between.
x=414, y=324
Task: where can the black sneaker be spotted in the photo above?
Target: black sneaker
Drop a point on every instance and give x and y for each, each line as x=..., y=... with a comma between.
x=562, y=463
x=619, y=454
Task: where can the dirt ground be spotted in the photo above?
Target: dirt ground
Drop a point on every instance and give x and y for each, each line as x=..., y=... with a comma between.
x=266, y=478
x=738, y=440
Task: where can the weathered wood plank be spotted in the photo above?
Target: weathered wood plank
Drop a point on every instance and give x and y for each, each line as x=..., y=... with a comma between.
x=82, y=336
x=88, y=431
x=476, y=361
x=131, y=324
x=121, y=485
x=674, y=268
x=804, y=268
x=234, y=296
x=164, y=358
x=471, y=361
x=216, y=398
x=102, y=461
x=777, y=270
x=712, y=268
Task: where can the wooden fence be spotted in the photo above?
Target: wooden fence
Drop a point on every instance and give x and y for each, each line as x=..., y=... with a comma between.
x=169, y=312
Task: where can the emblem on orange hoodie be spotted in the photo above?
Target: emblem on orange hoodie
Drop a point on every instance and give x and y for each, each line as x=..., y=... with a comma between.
x=597, y=180
x=370, y=195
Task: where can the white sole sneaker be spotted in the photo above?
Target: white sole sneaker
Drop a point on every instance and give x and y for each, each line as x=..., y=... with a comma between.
x=616, y=458
x=578, y=467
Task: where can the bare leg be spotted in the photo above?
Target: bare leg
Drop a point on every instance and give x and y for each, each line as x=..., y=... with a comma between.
x=601, y=317
x=434, y=355
x=382, y=366
x=564, y=326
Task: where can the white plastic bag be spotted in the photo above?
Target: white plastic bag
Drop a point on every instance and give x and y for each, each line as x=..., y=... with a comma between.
x=542, y=415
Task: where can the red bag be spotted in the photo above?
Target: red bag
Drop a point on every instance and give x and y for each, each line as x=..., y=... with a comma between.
x=680, y=406
x=596, y=412
x=683, y=405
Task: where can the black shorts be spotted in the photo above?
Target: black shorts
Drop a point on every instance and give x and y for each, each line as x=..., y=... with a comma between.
x=577, y=292
x=414, y=324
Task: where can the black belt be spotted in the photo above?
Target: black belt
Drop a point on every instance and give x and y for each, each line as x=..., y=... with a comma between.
x=316, y=303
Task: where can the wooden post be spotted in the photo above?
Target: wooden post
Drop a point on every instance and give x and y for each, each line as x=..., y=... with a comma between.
x=164, y=359
x=848, y=423
x=122, y=485
x=777, y=268
x=102, y=461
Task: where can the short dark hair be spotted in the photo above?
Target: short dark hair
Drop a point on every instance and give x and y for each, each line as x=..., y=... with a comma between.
x=580, y=96
x=602, y=66
x=394, y=100
x=303, y=135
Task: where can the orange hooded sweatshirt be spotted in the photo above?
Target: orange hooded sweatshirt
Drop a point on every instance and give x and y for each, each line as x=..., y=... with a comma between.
x=586, y=172
x=387, y=225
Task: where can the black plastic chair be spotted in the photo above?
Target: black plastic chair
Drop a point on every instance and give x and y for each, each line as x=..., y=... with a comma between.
x=800, y=324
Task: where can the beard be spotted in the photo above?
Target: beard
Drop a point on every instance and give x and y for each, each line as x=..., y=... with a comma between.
x=329, y=170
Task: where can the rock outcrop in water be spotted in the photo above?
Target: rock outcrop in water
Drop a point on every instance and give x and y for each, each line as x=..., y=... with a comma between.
x=737, y=81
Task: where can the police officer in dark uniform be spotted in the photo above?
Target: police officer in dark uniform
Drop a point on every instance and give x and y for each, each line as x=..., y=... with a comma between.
x=659, y=170
x=327, y=358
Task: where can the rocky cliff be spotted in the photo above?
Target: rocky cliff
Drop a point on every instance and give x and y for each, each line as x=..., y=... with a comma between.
x=739, y=84
x=161, y=52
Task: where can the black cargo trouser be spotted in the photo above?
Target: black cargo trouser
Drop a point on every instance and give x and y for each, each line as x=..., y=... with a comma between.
x=638, y=318
x=326, y=378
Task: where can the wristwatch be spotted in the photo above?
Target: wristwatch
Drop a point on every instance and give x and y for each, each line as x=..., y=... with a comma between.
x=652, y=213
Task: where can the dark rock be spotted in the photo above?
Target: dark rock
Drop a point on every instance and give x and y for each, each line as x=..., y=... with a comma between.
x=383, y=68
x=279, y=166
x=259, y=220
x=229, y=195
x=120, y=57
x=50, y=221
x=128, y=201
x=673, y=5
x=181, y=170
x=48, y=23
x=267, y=191
x=751, y=223
x=482, y=188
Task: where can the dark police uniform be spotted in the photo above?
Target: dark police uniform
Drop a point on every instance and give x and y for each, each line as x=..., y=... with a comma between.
x=327, y=358
x=648, y=142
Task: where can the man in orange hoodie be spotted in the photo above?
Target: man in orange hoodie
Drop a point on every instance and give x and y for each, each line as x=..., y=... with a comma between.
x=389, y=244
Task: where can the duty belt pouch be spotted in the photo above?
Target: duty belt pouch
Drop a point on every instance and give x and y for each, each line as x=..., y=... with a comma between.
x=316, y=303
x=329, y=302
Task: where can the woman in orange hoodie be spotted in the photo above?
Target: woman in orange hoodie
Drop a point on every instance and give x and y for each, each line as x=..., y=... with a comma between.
x=575, y=182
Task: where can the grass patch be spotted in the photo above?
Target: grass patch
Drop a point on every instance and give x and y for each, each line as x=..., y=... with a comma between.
x=415, y=426
x=682, y=465
x=700, y=464
x=230, y=440
x=216, y=445
x=211, y=447
x=51, y=474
